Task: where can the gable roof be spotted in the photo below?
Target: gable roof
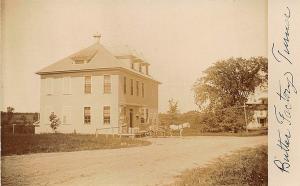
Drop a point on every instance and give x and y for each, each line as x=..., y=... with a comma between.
x=96, y=57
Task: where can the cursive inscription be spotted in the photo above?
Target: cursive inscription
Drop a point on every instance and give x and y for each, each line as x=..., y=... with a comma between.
x=285, y=95
x=282, y=55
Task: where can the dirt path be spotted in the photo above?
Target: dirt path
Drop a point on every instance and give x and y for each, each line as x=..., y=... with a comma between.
x=156, y=164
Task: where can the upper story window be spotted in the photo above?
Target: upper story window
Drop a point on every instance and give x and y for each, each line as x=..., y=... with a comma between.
x=147, y=70
x=140, y=67
x=87, y=115
x=87, y=84
x=132, y=65
x=124, y=85
x=137, y=88
x=79, y=61
x=106, y=115
x=131, y=87
x=67, y=85
x=107, y=84
x=49, y=86
x=143, y=90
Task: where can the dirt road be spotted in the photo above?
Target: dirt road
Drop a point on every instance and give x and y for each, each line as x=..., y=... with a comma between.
x=156, y=164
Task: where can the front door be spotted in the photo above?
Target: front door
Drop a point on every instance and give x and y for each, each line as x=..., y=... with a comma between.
x=130, y=118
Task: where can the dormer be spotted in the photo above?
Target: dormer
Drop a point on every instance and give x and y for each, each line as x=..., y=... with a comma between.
x=135, y=63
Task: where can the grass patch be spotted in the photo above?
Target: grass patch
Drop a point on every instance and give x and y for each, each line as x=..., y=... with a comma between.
x=248, y=166
x=195, y=132
x=36, y=143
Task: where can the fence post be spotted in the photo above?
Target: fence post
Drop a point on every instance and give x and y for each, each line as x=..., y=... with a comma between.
x=245, y=116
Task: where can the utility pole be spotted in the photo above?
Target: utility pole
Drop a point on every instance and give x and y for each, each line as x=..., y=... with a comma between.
x=245, y=116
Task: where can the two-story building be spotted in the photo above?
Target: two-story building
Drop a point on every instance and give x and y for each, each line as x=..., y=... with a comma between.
x=94, y=89
x=258, y=103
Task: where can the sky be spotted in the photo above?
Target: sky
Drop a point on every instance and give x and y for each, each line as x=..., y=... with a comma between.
x=180, y=39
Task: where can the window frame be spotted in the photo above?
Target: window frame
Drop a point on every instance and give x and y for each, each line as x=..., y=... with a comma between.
x=87, y=118
x=106, y=115
x=137, y=88
x=124, y=85
x=66, y=113
x=67, y=87
x=131, y=87
x=143, y=89
x=106, y=84
x=87, y=84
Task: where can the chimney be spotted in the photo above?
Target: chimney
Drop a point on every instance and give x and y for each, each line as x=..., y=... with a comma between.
x=97, y=37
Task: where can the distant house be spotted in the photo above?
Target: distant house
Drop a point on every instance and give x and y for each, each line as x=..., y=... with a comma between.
x=95, y=90
x=258, y=102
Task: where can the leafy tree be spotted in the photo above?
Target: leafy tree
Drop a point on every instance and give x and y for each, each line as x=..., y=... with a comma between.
x=173, y=111
x=54, y=122
x=224, y=89
x=229, y=82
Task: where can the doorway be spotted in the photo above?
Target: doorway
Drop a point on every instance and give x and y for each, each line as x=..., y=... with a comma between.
x=131, y=118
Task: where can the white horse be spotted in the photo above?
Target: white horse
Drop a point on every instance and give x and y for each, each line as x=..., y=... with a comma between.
x=179, y=127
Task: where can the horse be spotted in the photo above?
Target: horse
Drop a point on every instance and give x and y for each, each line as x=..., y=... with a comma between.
x=179, y=127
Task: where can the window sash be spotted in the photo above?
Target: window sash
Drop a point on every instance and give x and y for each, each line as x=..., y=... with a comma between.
x=131, y=87
x=87, y=115
x=67, y=85
x=143, y=90
x=137, y=88
x=124, y=85
x=107, y=84
x=106, y=115
x=87, y=84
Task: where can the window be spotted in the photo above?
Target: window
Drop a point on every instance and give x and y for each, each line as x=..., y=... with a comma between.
x=137, y=88
x=140, y=67
x=87, y=84
x=131, y=87
x=106, y=115
x=49, y=86
x=87, y=115
x=107, y=84
x=67, y=85
x=142, y=116
x=79, y=61
x=143, y=90
x=124, y=85
x=66, y=115
x=132, y=65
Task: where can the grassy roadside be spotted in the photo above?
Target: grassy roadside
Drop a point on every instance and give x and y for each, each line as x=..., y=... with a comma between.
x=26, y=144
x=194, y=132
x=248, y=166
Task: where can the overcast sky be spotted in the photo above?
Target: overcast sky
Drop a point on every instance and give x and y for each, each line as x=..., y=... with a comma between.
x=179, y=38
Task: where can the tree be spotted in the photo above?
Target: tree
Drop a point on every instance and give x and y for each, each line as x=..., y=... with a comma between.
x=10, y=113
x=224, y=89
x=54, y=122
x=229, y=82
x=173, y=111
